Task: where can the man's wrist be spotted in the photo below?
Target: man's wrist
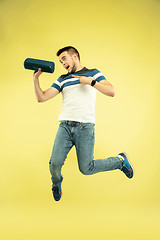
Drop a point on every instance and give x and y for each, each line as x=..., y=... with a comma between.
x=35, y=79
x=93, y=82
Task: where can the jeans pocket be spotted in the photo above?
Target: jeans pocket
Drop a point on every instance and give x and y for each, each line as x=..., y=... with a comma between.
x=88, y=127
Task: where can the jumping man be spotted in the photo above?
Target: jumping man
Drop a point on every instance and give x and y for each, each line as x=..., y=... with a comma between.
x=77, y=119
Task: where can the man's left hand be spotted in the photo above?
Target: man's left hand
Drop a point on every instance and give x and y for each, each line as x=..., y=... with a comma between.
x=83, y=79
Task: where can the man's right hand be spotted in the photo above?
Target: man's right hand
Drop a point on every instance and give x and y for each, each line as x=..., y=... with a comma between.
x=36, y=74
x=42, y=96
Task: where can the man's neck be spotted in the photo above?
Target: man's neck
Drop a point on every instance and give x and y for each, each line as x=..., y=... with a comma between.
x=79, y=68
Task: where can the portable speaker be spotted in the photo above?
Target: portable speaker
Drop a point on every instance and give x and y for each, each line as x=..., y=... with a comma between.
x=35, y=64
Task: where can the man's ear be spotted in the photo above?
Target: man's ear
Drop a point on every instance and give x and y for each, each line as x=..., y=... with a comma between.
x=75, y=56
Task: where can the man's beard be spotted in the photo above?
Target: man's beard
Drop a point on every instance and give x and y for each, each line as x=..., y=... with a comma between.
x=73, y=69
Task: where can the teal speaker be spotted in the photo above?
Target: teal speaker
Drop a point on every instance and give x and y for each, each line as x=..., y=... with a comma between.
x=35, y=64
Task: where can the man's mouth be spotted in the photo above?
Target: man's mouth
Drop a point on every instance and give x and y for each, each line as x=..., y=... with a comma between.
x=67, y=67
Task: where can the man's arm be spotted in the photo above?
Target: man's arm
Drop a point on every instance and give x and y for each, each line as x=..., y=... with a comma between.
x=103, y=86
x=42, y=96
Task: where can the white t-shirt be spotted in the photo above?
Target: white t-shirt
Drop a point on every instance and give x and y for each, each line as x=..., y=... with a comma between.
x=78, y=99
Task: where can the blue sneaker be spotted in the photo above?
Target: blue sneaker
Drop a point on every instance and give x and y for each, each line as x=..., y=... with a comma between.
x=57, y=191
x=126, y=165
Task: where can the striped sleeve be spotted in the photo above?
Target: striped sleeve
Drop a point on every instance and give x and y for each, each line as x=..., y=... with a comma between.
x=57, y=85
x=98, y=76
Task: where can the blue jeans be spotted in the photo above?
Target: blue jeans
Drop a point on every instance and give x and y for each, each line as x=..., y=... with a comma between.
x=82, y=136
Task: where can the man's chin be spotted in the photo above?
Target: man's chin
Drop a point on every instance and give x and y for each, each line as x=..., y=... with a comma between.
x=71, y=70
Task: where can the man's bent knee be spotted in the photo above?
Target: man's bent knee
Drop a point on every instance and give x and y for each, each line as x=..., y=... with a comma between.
x=85, y=171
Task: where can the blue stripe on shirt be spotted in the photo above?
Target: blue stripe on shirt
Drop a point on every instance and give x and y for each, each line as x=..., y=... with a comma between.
x=100, y=78
x=90, y=73
x=56, y=86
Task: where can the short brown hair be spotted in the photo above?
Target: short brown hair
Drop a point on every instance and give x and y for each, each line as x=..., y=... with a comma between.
x=70, y=50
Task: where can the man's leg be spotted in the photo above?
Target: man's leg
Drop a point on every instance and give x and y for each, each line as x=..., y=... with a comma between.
x=84, y=144
x=62, y=146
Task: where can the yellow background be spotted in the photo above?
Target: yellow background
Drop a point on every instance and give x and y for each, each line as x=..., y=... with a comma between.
x=120, y=38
